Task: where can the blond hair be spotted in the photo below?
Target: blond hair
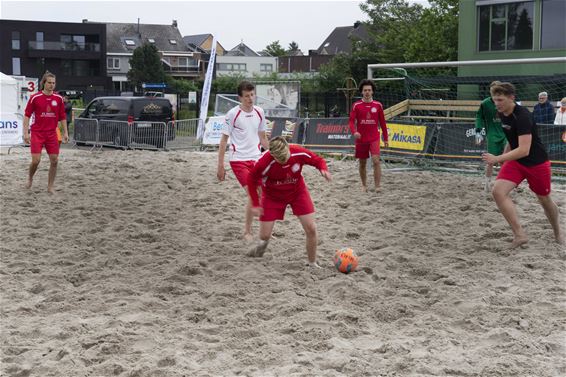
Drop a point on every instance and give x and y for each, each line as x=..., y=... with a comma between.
x=279, y=148
x=46, y=75
x=502, y=89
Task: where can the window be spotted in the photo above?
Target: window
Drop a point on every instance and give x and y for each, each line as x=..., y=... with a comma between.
x=183, y=62
x=39, y=40
x=266, y=67
x=151, y=40
x=73, y=42
x=15, y=40
x=172, y=41
x=506, y=26
x=16, y=68
x=80, y=68
x=232, y=67
x=113, y=63
x=130, y=42
x=552, y=31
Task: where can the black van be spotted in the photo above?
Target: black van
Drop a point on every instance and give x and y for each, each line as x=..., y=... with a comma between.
x=148, y=120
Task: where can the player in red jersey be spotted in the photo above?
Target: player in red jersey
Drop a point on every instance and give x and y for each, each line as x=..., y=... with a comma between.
x=365, y=119
x=279, y=170
x=48, y=110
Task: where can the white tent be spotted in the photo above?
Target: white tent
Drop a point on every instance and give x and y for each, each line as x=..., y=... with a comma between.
x=11, y=122
x=10, y=93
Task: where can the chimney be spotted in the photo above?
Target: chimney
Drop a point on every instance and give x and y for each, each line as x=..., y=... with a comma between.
x=85, y=20
x=174, y=23
x=356, y=24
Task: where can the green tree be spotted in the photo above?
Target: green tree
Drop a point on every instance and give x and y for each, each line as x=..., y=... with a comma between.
x=403, y=32
x=146, y=66
x=293, y=47
x=275, y=49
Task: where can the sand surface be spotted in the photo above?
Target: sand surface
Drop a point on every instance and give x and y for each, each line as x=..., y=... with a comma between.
x=135, y=268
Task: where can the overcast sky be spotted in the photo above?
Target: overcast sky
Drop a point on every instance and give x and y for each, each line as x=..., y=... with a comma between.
x=257, y=23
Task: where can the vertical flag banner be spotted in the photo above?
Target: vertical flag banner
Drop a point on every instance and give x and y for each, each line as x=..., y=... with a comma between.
x=206, y=90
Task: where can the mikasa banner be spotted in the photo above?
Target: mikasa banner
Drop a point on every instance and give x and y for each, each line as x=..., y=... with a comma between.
x=11, y=129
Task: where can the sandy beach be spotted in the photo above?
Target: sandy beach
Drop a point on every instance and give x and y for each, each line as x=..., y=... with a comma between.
x=135, y=268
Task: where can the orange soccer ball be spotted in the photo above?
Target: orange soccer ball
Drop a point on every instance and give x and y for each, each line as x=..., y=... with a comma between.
x=345, y=260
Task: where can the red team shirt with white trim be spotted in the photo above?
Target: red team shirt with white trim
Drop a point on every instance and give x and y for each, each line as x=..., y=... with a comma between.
x=282, y=182
x=243, y=128
x=366, y=118
x=47, y=111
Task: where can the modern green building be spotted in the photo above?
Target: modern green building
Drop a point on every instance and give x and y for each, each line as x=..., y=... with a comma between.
x=512, y=29
x=498, y=30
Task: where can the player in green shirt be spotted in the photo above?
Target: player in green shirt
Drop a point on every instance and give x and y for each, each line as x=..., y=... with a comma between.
x=487, y=118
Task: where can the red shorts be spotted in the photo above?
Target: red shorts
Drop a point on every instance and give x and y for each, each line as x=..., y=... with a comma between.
x=242, y=170
x=364, y=150
x=275, y=210
x=537, y=176
x=47, y=139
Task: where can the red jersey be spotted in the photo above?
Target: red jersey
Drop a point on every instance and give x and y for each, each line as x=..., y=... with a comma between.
x=282, y=182
x=366, y=118
x=47, y=110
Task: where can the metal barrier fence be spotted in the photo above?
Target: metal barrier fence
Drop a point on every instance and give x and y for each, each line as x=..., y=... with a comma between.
x=137, y=135
x=185, y=131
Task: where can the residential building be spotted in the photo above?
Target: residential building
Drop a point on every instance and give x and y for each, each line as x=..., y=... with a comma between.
x=303, y=64
x=123, y=38
x=203, y=42
x=74, y=52
x=342, y=38
x=242, y=60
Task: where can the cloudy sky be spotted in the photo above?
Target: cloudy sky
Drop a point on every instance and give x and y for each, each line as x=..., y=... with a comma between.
x=257, y=23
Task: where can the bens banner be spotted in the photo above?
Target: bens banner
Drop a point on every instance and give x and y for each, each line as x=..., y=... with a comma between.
x=213, y=130
x=11, y=129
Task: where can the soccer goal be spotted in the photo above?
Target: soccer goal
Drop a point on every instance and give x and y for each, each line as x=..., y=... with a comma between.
x=444, y=97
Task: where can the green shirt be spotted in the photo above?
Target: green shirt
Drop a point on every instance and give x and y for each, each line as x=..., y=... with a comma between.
x=486, y=117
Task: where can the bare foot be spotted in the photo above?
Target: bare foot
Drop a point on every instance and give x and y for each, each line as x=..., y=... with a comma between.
x=378, y=189
x=560, y=240
x=313, y=265
x=259, y=249
x=50, y=190
x=28, y=184
x=248, y=237
x=519, y=241
x=364, y=188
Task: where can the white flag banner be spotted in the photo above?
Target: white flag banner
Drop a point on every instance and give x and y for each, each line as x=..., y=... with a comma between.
x=206, y=89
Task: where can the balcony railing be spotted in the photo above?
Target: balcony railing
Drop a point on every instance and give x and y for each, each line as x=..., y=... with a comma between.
x=181, y=69
x=64, y=46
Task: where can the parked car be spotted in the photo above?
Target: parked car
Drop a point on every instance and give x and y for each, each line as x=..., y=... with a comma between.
x=147, y=119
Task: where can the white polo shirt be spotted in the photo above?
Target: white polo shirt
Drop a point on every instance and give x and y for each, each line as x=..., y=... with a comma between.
x=242, y=128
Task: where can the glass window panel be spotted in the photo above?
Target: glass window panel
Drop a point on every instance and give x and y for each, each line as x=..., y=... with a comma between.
x=67, y=67
x=39, y=40
x=553, y=31
x=498, y=11
x=15, y=44
x=497, y=35
x=520, y=26
x=483, y=39
x=81, y=68
x=16, y=68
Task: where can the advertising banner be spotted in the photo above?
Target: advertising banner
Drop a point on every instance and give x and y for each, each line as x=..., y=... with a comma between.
x=407, y=137
x=281, y=126
x=206, y=88
x=11, y=129
x=213, y=130
x=328, y=134
x=457, y=141
x=553, y=137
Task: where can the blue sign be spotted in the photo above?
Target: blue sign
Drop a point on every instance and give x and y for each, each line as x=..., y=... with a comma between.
x=158, y=85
